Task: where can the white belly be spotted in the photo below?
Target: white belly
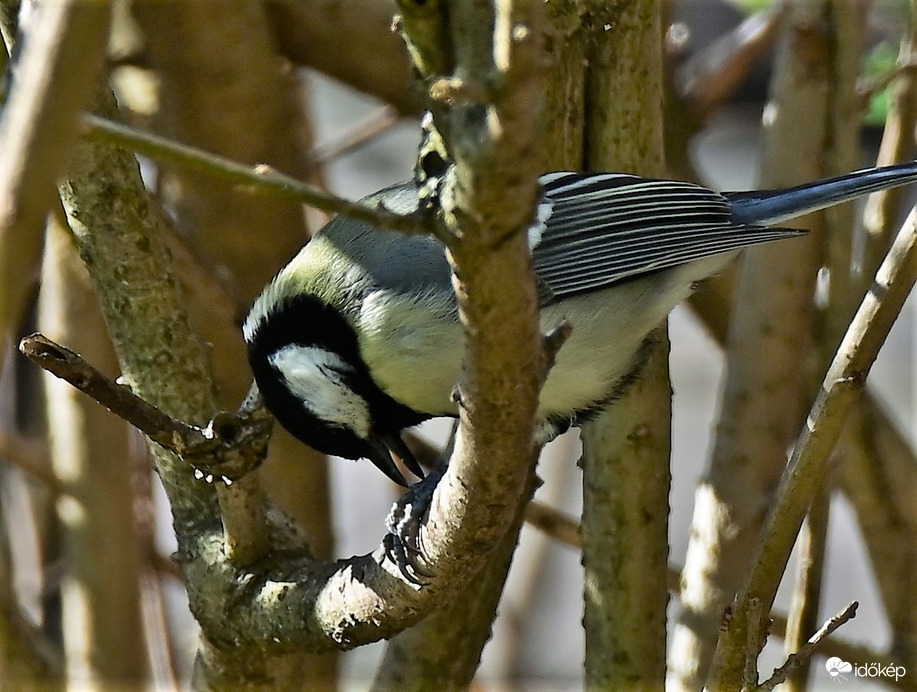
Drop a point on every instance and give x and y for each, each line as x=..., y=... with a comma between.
x=416, y=356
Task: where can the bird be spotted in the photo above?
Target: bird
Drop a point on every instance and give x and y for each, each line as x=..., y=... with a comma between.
x=358, y=338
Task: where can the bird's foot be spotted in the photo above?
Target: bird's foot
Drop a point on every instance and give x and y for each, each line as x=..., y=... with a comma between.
x=403, y=544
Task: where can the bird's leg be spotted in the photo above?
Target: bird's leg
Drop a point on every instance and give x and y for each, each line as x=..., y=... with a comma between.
x=403, y=543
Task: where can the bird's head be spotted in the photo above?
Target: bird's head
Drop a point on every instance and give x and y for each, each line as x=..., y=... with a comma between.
x=307, y=365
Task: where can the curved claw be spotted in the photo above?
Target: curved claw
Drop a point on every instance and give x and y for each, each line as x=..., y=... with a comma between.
x=403, y=544
x=396, y=551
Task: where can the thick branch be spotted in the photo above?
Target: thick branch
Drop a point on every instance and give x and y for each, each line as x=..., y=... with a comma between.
x=626, y=448
x=444, y=650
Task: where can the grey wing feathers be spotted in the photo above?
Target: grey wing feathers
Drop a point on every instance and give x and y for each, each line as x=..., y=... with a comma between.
x=597, y=229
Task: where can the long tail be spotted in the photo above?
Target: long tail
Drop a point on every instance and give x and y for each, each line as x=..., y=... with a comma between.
x=767, y=207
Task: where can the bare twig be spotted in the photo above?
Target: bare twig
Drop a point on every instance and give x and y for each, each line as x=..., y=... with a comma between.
x=554, y=523
x=882, y=208
x=867, y=89
x=260, y=179
x=69, y=366
x=220, y=439
x=803, y=616
x=753, y=646
x=842, y=648
x=796, y=660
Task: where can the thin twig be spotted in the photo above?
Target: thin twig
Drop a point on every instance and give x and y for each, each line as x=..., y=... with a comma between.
x=844, y=649
x=803, y=615
x=554, y=523
x=227, y=448
x=868, y=88
x=360, y=134
x=260, y=178
x=882, y=208
x=753, y=646
x=70, y=367
x=796, y=660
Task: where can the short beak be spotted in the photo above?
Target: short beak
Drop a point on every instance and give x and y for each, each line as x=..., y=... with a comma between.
x=394, y=442
x=382, y=448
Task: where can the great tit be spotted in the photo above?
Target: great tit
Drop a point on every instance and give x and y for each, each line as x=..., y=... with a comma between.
x=358, y=337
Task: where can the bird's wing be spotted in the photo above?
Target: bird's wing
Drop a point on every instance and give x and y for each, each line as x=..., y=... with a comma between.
x=596, y=229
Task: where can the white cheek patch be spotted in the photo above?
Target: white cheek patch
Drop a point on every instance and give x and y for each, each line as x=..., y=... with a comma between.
x=316, y=377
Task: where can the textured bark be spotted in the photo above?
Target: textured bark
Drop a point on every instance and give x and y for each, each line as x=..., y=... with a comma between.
x=228, y=92
x=626, y=449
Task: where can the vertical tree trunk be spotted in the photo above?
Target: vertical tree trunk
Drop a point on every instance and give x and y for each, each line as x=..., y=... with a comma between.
x=626, y=449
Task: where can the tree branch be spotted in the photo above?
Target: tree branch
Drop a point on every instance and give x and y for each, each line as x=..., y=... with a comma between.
x=228, y=447
x=292, y=602
x=882, y=208
x=842, y=384
x=312, y=33
x=259, y=179
x=31, y=458
x=803, y=617
x=626, y=448
x=710, y=77
x=797, y=660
